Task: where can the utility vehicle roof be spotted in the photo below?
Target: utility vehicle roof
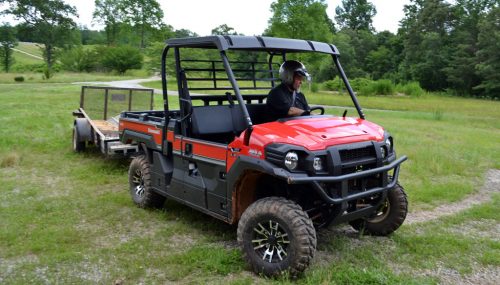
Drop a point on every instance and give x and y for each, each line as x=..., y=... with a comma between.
x=255, y=43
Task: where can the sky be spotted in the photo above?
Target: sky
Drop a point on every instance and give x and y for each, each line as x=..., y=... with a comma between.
x=249, y=17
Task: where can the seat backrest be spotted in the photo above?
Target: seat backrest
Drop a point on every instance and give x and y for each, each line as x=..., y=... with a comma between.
x=260, y=113
x=210, y=120
x=225, y=120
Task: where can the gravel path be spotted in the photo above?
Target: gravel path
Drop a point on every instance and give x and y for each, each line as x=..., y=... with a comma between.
x=132, y=83
x=491, y=185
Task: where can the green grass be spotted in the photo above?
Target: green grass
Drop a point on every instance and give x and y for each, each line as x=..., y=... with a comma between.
x=67, y=218
x=21, y=59
x=65, y=77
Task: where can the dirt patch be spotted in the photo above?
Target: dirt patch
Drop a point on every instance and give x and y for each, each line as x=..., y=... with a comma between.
x=491, y=185
x=10, y=266
x=480, y=275
x=482, y=229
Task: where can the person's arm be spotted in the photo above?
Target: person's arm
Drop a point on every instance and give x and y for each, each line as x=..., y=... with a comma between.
x=294, y=111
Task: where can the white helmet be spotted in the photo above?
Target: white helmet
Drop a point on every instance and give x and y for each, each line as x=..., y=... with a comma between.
x=291, y=67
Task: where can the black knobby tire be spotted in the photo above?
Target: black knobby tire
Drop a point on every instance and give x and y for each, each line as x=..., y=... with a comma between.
x=388, y=218
x=139, y=177
x=276, y=236
x=78, y=145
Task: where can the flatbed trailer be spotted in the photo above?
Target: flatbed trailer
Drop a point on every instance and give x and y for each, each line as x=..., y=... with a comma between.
x=96, y=121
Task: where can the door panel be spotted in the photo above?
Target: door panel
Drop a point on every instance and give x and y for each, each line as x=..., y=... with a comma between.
x=204, y=174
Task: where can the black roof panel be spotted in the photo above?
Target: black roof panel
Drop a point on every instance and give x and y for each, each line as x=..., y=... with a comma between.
x=269, y=44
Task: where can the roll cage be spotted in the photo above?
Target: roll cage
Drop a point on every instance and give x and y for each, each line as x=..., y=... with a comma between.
x=271, y=46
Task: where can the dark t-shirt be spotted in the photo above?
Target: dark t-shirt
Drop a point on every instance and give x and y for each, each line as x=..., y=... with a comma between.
x=279, y=101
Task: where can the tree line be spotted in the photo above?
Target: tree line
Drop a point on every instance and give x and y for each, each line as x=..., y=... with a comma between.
x=439, y=44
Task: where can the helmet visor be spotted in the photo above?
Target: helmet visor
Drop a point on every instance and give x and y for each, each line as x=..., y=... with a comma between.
x=305, y=75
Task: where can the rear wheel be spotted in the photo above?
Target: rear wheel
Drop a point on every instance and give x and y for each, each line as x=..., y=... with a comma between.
x=139, y=177
x=389, y=216
x=78, y=145
x=276, y=236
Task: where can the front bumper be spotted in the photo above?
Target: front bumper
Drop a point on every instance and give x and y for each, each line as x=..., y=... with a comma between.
x=343, y=194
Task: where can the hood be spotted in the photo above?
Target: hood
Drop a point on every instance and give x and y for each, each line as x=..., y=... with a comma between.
x=315, y=133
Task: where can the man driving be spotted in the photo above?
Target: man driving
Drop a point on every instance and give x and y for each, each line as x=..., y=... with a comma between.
x=286, y=100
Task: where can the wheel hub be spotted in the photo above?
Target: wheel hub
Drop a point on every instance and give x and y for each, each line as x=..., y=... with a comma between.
x=139, y=183
x=270, y=241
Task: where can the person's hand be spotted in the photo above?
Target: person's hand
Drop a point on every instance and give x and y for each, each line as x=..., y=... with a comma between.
x=293, y=111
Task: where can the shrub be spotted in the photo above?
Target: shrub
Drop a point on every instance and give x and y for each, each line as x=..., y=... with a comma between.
x=314, y=87
x=122, y=58
x=79, y=59
x=359, y=84
x=332, y=85
x=379, y=87
x=19, y=79
x=411, y=89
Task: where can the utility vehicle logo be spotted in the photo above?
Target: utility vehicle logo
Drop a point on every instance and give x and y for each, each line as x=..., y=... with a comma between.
x=156, y=132
x=254, y=152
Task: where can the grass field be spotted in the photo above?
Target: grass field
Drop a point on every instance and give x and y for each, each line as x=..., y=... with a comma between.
x=67, y=218
x=21, y=58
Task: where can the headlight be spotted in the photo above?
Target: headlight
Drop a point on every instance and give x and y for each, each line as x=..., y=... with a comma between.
x=291, y=160
x=388, y=143
x=383, y=151
x=318, y=164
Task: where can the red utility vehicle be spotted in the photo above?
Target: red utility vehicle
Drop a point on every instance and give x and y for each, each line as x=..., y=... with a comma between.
x=279, y=180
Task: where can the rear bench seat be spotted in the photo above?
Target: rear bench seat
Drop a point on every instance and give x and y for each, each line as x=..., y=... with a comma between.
x=222, y=122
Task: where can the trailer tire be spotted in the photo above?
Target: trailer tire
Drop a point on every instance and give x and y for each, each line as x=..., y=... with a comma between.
x=142, y=193
x=78, y=144
x=276, y=236
x=390, y=216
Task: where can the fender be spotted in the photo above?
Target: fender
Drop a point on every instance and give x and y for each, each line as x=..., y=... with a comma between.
x=244, y=163
x=84, y=129
x=138, y=137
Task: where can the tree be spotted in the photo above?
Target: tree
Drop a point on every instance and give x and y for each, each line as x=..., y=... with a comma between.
x=488, y=55
x=426, y=31
x=355, y=15
x=223, y=30
x=49, y=21
x=300, y=19
x=122, y=58
x=464, y=38
x=109, y=13
x=384, y=59
x=144, y=15
x=79, y=59
x=7, y=42
x=184, y=33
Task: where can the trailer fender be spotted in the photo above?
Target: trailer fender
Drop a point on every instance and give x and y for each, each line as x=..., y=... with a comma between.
x=84, y=129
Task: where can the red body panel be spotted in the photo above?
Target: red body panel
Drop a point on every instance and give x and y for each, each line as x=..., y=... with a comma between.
x=314, y=134
x=311, y=133
x=144, y=128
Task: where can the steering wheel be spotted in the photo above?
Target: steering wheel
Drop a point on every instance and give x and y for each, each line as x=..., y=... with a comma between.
x=317, y=108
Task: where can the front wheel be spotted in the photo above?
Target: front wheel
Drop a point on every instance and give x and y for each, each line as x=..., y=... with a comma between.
x=276, y=236
x=389, y=216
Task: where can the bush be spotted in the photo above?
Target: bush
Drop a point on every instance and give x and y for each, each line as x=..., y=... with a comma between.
x=79, y=59
x=410, y=89
x=359, y=85
x=333, y=85
x=379, y=87
x=122, y=58
x=314, y=87
x=19, y=79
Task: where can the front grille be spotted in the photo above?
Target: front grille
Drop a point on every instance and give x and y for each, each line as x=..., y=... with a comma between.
x=358, y=153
